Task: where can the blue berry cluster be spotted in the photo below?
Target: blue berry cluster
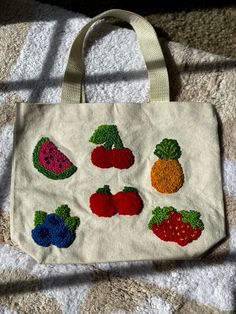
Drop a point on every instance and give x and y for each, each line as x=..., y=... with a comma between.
x=54, y=229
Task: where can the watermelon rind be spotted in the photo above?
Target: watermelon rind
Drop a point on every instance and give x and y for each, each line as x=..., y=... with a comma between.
x=55, y=176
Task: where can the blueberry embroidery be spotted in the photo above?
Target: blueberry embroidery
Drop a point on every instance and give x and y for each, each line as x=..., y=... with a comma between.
x=55, y=229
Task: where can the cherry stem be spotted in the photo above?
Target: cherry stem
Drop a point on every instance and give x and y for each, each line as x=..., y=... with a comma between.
x=129, y=189
x=104, y=190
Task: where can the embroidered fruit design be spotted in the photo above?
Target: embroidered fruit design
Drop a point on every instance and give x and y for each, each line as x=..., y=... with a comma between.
x=104, y=204
x=181, y=227
x=101, y=202
x=167, y=174
x=50, y=161
x=55, y=229
x=128, y=202
x=112, y=153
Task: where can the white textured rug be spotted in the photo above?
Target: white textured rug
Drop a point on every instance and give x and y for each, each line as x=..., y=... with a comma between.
x=32, y=62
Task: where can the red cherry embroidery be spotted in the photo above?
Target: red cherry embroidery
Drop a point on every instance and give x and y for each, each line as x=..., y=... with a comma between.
x=101, y=202
x=104, y=204
x=122, y=158
x=106, y=156
x=128, y=202
x=102, y=157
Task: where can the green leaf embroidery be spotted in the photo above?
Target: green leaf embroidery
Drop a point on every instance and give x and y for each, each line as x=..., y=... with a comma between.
x=192, y=217
x=72, y=222
x=107, y=135
x=104, y=190
x=129, y=189
x=159, y=214
x=168, y=149
x=39, y=217
x=63, y=211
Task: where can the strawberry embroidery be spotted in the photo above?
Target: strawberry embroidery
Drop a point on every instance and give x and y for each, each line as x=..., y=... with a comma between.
x=128, y=202
x=107, y=156
x=104, y=204
x=181, y=227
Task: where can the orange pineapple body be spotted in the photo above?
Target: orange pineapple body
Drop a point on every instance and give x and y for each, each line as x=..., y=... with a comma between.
x=167, y=176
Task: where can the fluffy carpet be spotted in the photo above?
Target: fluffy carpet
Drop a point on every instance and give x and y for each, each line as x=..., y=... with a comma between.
x=207, y=25
x=32, y=62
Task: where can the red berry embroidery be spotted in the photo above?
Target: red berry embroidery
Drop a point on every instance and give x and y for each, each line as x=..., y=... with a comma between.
x=106, y=156
x=127, y=202
x=102, y=157
x=122, y=158
x=101, y=202
x=181, y=227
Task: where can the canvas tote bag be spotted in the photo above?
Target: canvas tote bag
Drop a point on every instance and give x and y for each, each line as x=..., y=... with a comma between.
x=103, y=182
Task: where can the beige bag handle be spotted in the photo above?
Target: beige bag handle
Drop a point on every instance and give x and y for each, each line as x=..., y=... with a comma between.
x=72, y=86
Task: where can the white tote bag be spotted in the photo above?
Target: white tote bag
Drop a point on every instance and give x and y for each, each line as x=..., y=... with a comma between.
x=103, y=182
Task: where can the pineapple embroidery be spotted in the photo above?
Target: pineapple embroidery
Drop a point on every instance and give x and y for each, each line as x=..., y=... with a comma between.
x=167, y=174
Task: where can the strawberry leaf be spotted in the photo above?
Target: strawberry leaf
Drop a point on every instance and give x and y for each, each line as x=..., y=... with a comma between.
x=192, y=217
x=160, y=214
x=39, y=217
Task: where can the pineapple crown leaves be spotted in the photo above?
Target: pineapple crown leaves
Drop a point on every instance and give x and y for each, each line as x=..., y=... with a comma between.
x=107, y=135
x=160, y=214
x=168, y=149
x=192, y=217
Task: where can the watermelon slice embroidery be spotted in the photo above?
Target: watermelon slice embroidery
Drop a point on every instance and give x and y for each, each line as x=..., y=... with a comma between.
x=51, y=162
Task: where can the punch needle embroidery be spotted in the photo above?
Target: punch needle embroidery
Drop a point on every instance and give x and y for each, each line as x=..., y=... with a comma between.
x=181, y=227
x=51, y=162
x=127, y=202
x=167, y=174
x=112, y=153
x=55, y=229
